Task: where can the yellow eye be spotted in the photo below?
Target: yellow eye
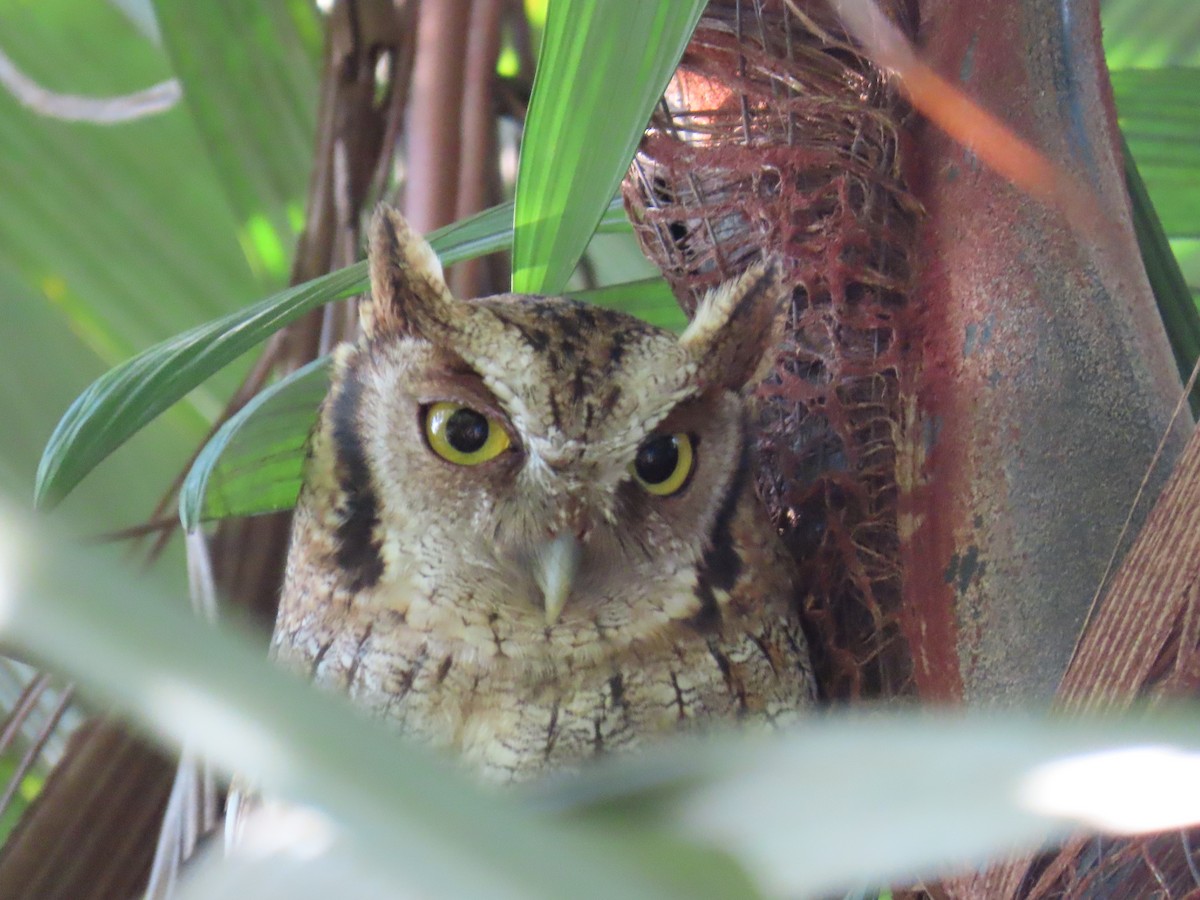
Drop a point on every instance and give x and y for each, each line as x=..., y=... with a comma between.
x=663, y=463
x=463, y=436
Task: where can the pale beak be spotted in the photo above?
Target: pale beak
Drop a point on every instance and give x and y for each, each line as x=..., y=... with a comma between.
x=555, y=564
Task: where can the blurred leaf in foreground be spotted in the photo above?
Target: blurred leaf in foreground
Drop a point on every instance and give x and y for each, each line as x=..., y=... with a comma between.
x=839, y=801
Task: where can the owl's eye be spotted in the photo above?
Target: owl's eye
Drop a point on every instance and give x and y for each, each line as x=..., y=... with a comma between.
x=663, y=463
x=463, y=436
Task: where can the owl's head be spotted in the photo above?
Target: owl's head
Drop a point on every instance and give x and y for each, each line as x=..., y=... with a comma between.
x=520, y=471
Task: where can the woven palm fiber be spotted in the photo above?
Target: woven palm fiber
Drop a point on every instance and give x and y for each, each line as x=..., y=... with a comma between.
x=776, y=136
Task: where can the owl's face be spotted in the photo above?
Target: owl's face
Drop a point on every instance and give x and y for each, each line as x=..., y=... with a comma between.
x=531, y=478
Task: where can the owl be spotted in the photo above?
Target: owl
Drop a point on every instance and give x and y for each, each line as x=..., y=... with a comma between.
x=529, y=532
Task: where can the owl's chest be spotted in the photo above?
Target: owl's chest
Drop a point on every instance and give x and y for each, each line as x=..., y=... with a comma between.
x=514, y=701
x=513, y=719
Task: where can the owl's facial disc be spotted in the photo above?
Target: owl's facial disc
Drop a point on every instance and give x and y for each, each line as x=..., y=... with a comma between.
x=567, y=450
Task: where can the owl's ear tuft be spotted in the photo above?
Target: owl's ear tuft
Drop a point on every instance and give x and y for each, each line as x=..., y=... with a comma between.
x=737, y=328
x=408, y=290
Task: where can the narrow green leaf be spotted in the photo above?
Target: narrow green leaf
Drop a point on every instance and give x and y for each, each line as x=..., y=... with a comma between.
x=1171, y=291
x=649, y=299
x=492, y=231
x=124, y=399
x=254, y=463
x=127, y=397
x=1160, y=117
x=614, y=218
x=249, y=73
x=340, y=871
x=603, y=66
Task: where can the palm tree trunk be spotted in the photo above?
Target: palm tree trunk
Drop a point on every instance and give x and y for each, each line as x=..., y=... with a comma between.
x=974, y=390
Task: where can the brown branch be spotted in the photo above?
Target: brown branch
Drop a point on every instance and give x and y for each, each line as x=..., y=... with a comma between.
x=434, y=142
x=478, y=133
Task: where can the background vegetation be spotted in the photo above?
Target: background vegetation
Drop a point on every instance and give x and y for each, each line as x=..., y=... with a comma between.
x=117, y=236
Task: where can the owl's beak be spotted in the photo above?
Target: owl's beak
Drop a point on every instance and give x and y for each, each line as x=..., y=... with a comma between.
x=555, y=564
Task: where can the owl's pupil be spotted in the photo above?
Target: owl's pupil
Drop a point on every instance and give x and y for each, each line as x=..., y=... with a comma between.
x=657, y=458
x=466, y=430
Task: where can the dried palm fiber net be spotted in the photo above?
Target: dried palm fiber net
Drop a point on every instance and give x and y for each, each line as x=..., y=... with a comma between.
x=778, y=137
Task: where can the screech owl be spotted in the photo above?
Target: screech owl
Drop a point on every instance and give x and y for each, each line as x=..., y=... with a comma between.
x=529, y=532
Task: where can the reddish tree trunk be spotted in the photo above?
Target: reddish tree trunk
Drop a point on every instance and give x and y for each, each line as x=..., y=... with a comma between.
x=1047, y=380
x=971, y=395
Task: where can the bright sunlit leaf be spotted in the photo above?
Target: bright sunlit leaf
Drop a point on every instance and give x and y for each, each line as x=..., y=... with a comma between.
x=1145, y=35
x=1127, y=791
x=603, y=66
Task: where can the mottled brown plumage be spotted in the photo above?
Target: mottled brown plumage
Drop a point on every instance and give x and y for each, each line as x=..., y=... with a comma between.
x=542, y=606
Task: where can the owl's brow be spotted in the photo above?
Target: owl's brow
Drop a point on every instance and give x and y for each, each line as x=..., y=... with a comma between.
x=466, y=388
x=626, y=441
